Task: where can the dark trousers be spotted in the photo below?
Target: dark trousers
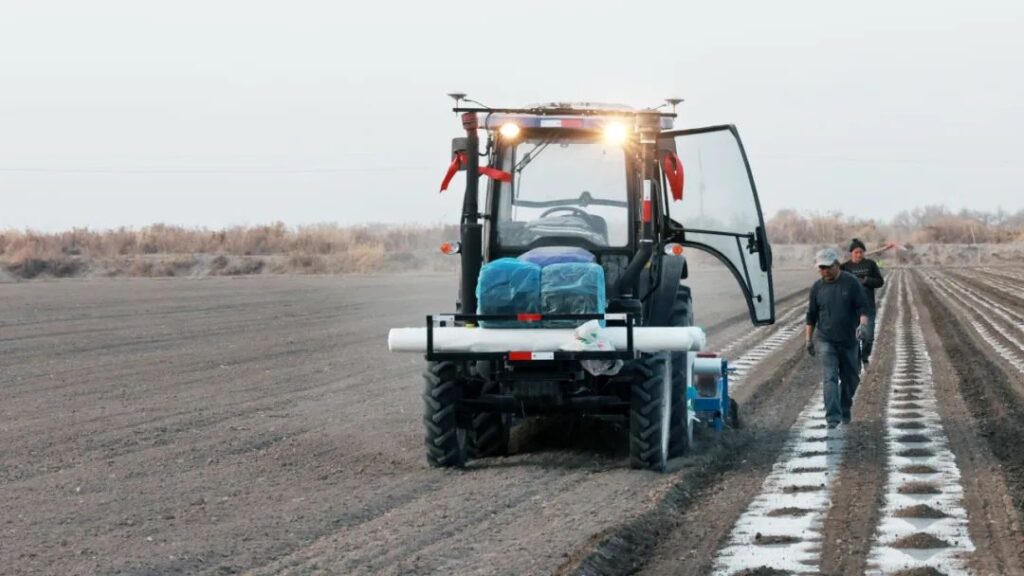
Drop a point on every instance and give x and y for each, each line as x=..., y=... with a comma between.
x=840, y=375
x=867, y=345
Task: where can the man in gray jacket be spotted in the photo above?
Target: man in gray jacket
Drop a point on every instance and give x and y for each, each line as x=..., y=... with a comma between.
x=838, y=314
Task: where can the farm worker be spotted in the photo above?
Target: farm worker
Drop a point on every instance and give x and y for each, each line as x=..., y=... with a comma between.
x=838, y=312
x=866, y=270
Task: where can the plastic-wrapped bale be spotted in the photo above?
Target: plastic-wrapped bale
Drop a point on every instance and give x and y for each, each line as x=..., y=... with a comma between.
x=508, y=286
x=548, y=255
x=571, y=288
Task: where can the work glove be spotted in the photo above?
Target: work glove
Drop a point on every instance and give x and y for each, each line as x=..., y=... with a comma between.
x=810, y=347
x=864, y=333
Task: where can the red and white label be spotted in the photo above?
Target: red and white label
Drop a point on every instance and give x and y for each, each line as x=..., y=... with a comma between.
x=647, y=201
x=527, y=356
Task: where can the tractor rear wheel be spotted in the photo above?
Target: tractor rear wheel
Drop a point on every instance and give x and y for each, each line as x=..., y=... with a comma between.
x=734, y=414
x=650, y=410
x=445, y=441
x=490, y=430
x=681, y=427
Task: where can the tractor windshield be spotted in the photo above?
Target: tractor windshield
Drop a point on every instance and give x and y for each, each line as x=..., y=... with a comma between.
x=563, y=188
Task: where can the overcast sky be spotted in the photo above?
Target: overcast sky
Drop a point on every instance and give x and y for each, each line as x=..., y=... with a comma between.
x=215, y=113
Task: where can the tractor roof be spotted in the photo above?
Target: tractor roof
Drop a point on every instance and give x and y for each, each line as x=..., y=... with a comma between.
x=569, y=115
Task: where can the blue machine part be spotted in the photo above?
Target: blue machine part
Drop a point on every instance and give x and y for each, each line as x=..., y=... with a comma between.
x=508, y=286
x=711, y=404
x=571, y=288
x=548, y=255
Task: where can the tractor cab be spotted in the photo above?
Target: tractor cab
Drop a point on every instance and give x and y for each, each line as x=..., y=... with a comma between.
x=623, y=185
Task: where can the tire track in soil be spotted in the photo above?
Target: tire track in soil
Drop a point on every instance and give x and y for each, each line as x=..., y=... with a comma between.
x=991, y=391
x=923, y=523
x=698, y=511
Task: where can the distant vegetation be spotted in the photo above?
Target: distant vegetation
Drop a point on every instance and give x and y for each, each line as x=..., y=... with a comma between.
x=162, y=250
x=928, y=225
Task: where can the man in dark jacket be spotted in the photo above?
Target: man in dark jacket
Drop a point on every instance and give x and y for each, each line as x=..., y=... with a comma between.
x=837, y=314
x=866, y=270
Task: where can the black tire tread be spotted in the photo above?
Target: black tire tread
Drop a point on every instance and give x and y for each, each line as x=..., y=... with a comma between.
x=440, y=400
x=682, y=315
x=645, y=415
x=490, y=432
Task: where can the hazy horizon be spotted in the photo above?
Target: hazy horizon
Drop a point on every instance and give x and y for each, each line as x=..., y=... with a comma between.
x=212, y=115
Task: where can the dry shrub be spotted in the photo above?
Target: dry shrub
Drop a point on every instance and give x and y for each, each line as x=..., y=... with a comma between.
x=166, y=250
x=244, y=266
x=930, y=224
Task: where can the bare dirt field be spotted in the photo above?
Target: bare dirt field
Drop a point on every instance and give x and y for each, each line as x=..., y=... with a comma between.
x=258, y=425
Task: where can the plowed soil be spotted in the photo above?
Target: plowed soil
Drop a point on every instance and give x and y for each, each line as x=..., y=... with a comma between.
x=259, y=425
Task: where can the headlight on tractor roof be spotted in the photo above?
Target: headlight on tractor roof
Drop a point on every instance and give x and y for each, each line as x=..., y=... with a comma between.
x=509, y=130
x=615, y=133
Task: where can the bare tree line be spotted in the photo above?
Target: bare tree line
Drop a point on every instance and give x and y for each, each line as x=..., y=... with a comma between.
x=927, y=225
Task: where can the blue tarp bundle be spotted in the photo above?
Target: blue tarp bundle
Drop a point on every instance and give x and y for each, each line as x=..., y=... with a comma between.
x=550, y=280
x=508, y=286
x=547, y=255
x=571, y=288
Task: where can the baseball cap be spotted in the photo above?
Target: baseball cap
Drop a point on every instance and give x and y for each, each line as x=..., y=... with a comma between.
x=827, y=257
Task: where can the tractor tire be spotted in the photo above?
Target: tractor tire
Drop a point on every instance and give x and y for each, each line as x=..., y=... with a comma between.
x=490, y=435
x=734, y=415
x=680, y=425
x=445, y=441
x=650, y=411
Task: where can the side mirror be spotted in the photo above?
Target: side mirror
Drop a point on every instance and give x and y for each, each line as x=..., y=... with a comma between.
x=459, y=146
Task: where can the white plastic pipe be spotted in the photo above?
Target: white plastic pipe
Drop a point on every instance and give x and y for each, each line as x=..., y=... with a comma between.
x=458, y=339
x=709, y=366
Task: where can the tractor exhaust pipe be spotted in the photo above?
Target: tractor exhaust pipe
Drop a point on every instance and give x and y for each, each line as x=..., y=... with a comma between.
x=471, y=230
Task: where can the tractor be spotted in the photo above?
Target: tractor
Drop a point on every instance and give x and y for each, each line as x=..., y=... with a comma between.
x=572, y=296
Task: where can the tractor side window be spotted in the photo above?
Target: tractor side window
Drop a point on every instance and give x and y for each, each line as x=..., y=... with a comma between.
x=564, y=188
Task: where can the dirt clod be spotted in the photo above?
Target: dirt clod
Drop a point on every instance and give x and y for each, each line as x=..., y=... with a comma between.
x=920, y=571
x=919, y=541
x=920, y=511
x=909, y=425
x=795, y=489
x=913, y=439
x=918, y=469
x=916, y=453
x=788, y=511
x=774, y=539
x=919, y=488
x=908, y=416
x=907, y=398
x=762, y=571
x=807, y=470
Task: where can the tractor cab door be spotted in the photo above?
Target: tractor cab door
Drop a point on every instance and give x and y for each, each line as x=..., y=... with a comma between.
x=719, y=211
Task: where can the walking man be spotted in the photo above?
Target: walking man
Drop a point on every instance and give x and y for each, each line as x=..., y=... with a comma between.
x=866, y=270
x=837, y=314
